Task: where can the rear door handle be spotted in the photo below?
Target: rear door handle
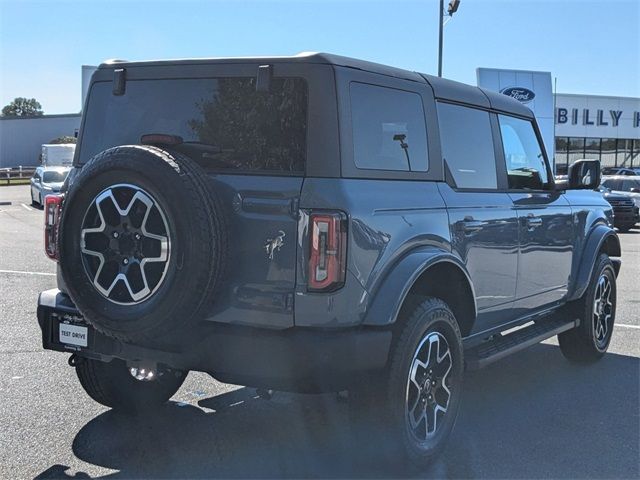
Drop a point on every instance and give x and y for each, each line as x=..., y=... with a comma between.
x=533, y=222
x=470, y=225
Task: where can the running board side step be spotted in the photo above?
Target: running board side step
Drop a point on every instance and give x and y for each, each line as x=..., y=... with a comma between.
x=501, y=346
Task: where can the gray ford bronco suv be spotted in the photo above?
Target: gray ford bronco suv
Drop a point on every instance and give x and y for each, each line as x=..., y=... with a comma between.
x=317, y=223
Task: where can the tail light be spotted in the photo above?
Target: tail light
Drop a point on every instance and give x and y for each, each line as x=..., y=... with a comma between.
x=328, y=245
x=52, y=209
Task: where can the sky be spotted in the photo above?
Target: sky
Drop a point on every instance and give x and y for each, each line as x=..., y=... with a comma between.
x=591, y=47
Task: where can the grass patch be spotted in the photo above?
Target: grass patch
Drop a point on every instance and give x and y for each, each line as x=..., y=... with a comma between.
x=14, y=181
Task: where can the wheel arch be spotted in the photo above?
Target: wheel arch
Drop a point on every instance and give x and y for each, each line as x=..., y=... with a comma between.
x=601, y=239
x=414, y=275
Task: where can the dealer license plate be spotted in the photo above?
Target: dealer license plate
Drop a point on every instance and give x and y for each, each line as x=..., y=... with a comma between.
x=73, y=335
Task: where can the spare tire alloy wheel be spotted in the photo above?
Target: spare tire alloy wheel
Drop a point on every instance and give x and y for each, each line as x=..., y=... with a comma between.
x=125, y=244
x=428, y=390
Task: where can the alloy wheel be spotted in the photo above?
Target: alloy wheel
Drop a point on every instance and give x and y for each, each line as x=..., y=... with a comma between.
x=602, y=311
x=125, y=244
x=428, y=386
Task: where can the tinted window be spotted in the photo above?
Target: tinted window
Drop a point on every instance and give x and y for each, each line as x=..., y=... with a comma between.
x=608, y=151
x=467, y=146
x=628, y=184
x=389, y=131
x=561, y=155
x=526, y=168
x=576, y=149
x=623, y=153
x=592, y=148
x=54, y=177
x=624, y=185
x=224, y=122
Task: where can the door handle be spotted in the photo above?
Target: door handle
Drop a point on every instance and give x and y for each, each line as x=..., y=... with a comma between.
x=533, y=222
x=471, y=225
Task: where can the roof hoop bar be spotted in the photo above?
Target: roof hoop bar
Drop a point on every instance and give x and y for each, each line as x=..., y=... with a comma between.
x=263, y=80
x=119, y=81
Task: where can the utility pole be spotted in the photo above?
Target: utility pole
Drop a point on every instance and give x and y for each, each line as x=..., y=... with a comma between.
x=440, y=37
x=451, y=9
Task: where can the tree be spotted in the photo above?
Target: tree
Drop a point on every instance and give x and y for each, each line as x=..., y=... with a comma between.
x=256, y=130
x=23, y=107
x=63, y=139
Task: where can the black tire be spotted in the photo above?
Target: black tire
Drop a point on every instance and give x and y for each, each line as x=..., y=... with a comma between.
x=625, y=228
x=378, y=405
x=188, y=213
x=111, y=385
x=587, y=342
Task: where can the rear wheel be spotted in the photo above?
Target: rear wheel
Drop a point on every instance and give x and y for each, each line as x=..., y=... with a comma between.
x=410, y=408
x=597, y=311
x=112, y=385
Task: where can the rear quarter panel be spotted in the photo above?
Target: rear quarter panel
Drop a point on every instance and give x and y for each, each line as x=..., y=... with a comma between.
x=387, y=219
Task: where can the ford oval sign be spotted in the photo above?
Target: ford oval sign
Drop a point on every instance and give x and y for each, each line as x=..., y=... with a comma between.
x=521, y=94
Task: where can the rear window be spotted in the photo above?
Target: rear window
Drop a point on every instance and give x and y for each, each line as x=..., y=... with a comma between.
x=224, y=122
x=54, y=177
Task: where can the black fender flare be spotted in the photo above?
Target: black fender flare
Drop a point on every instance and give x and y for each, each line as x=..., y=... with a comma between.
x=597, y=238
x=391, y=293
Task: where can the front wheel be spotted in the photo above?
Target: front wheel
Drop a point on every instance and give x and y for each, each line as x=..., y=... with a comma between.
x=411, y=406
x=597, y=311
x=111, y=384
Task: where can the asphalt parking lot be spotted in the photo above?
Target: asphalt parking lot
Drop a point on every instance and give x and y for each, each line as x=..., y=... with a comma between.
x=532, y=415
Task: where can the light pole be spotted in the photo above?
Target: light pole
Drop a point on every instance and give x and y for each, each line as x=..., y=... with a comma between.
x=451, y=9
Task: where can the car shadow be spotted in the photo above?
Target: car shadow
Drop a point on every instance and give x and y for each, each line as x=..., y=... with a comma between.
x=529, y=416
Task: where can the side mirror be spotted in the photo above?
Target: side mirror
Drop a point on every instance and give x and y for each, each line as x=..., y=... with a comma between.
x=635, y=190
x=584, y=175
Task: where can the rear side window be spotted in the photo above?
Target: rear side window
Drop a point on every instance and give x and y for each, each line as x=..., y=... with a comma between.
x=224, y=122
x=526, y=168
x=389, y=131
x=467, y=146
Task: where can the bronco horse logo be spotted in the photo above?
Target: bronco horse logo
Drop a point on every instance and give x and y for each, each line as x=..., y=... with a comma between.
x=273, y=244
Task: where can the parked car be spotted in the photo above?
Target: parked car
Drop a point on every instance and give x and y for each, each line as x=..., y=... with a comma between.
x=318, y=223
x=619, y=171
x=625, y=212
x=624, y=185
x=45, y=181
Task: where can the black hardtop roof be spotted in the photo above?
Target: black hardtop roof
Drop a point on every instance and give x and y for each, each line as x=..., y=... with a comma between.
x=443, y=88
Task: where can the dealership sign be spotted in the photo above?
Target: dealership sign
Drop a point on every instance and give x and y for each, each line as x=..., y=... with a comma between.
x=598, y=117
x=521, y=94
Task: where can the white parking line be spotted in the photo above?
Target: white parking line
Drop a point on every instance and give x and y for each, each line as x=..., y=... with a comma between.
x=27, y=207
x=20, y=272
x=624, y=325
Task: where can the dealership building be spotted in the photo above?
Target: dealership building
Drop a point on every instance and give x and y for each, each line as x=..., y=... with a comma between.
x=572, y=126
x=600, y=127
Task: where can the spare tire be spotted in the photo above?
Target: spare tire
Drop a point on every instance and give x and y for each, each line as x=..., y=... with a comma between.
x=142, y=242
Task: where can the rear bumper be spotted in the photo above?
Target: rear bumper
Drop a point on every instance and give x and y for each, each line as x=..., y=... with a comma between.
x=295, y=359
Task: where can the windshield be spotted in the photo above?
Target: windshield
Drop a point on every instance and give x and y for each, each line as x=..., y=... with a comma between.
x=240, y=127
x=622, y=185
x=54, y=177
